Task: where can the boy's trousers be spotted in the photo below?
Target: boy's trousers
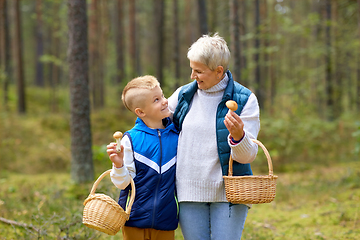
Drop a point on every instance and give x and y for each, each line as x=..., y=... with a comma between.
x=133, y=233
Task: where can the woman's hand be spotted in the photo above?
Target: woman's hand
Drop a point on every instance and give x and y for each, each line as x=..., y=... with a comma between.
x=235, y=125
x=115, y=157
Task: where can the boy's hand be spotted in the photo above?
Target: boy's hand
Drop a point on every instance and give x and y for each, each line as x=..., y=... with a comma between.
x=235, y=125
x=115, y=157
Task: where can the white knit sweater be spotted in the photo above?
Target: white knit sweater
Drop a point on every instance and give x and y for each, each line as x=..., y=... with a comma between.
x=198, y=171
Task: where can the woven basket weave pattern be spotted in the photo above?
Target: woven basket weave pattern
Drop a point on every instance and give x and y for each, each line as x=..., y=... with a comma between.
x=251, y=189
x=103, y=213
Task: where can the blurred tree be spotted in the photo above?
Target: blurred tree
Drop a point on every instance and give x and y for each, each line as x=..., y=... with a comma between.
x=258, y=81
x=243, y=42
x=39, y=76
x=82, y=169
x=96, y=55
x=5, y=66
x=357, y=100
x=202, y=13
x=119, y=43
x=133, y=38
x=19, y=69
x=54, y=67
x=213, y=16
x=235, y=39
x=338, y=75
x=159, y=6
x=272, y=59
x=329, y=87
x=315, y=93
x=176, y=53
x=265, y=49
x=190, y=25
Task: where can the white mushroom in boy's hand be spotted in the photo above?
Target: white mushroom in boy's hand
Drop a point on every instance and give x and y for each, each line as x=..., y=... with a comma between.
x=232, y=105
x=118, y=135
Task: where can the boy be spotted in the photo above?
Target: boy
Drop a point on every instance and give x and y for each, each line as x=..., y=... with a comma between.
x=148, y=155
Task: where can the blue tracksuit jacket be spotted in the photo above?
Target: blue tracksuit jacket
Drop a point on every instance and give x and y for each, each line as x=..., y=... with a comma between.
x=155, y=204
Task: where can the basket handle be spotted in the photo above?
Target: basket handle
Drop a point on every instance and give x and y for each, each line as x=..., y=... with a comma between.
x=132, y=197
x=267, y=156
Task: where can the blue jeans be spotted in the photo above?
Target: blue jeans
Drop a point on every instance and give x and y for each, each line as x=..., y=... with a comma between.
x=212, y=221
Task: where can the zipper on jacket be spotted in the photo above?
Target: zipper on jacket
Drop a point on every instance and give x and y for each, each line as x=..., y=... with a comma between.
x=157, y=186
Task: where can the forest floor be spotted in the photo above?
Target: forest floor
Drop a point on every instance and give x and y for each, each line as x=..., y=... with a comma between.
x=322, y=203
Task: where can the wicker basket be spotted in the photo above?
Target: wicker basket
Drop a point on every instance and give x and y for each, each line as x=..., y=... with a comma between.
x=103, y=213
x=251, y=189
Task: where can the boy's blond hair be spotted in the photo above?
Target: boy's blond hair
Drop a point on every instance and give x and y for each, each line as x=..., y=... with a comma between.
x=133, y=94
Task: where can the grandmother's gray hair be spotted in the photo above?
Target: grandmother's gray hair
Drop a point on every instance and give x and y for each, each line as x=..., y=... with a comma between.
x=211, y=51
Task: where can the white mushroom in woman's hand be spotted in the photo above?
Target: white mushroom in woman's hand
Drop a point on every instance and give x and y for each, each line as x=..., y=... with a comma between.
x=118, y=135
x=232, y=105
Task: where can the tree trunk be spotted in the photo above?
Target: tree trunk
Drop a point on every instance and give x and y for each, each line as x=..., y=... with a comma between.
x=243, y=44
x=39, y=76
x=315, y=93
x=258, y=83
x=94, y=55
x=20, y=83
x=266, y=44
x=328, y=65
x=120, y=43
x=132, y=48
x=357, y=100
x=5, y=50
x=82, y=169
x=176, y=43
x=235, y=39
x=55, y=51
x=202, y=17
x=213, y=7
x=159, y=29
x=339, y=62
x=103, y=28
x=273, y=60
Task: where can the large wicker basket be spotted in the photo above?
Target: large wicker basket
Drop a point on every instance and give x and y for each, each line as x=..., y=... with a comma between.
x=251, y=189
x=103, y=213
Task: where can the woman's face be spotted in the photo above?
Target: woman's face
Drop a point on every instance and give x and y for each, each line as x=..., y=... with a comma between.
x=205, y=77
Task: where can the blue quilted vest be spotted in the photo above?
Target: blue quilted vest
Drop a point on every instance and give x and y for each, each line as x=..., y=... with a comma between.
x=155, y=150
x=234, y=91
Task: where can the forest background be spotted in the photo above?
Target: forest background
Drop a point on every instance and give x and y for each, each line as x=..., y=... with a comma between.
x=301, y=58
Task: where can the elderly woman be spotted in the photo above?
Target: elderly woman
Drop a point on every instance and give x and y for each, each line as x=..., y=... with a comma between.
x=209, y=134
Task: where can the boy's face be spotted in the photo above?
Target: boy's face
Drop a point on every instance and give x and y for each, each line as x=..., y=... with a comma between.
x=155, y=104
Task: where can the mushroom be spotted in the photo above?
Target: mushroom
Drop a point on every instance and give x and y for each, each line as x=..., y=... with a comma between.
x=232, y=105
x=118, y=135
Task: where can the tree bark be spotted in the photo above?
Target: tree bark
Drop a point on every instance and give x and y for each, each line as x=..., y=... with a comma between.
x=82, y=169
x=235, y=39
x=357, y=100
x=5, y=50
x=266, y=44
x=94, y=53
x=176, y=44
x=20, y=80
x=120, y=43
x=39, y=76
x=159, y=24
x=328, y=67
x=258, y=83
x=273, y=60
x=132, y=48
x=213, y=16
x=202, y=17
x=243, y=44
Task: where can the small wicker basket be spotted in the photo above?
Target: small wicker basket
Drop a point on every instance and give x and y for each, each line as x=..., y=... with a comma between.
x=251, y=189
x=103, y=213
